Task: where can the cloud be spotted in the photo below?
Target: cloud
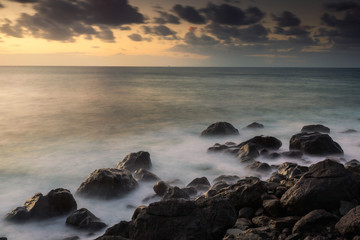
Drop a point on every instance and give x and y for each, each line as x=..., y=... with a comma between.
x=231, y=15
x=25, y=1
x=161, y=31
x=287, y=19
x=340, y=6
x=166, y=18
x=189, y=14
x=138, y=38
x=63, y=20
x=203, y=40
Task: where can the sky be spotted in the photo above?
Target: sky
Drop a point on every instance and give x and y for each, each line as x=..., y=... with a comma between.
x=231, y=33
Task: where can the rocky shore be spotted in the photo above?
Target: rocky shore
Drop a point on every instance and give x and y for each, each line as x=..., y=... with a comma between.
x=320, y=201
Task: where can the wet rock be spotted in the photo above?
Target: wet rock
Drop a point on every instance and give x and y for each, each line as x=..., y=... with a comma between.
x=322, y=187
x=297, y=154
x=161, y=187
x=315, y=144
x=134, y=161
x=264, y=142
x=246, y=212
x=259, y=167
x=229, y=179
x=201, y=184
x=349, y=225
x=248, y=151
x=220, y=129
x=84, y=219
x=255, y=125
x=315, y=128
x=144, y=175
x=175, y=192
x=314, y=222
x=107, y=183
x=57, y=202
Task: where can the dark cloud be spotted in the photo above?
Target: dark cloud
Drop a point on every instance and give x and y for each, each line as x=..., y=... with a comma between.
x=203, y=40
x=252, y=33
x=25, y=1
x=13, y=31
x=292, y=31
x=166, y=18
x=231, y=15
x=189, y=14
x=287, y=19
x=340, y=6
x=63, y=20
x=138, y=38
x=162, y=31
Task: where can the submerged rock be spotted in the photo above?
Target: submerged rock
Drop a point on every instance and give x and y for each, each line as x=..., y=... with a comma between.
x=315, y=128
x=135, y=161
x=315, y=144
x=220, y=129
x=56, y=203
x=264, y=142
x=84, y=219
x=107, y=183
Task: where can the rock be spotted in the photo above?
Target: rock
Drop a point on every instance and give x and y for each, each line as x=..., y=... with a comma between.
x=315, y=144
x=191, y=191
x=246, y=212
x=315, y=128
x=243, y=224
x=297, y=154
x=260, y=221
x=134, y=161
x=69, y=238
x=291, y=170
x=352, y=163
x=350, y=131
x=283, y=222
x=254, y=125
x=255, y=234
x=248, y=151
x=345, y=207
x=57, y=202
x=161, y=187
x=144, y=175
x=107, y=183
x=84, y=219
x=229, y=179
x=314, y=222
x=264, y=142
x=180, y=219
x=220, y=129
x=175, y=192
x=273, y=207
x=259, y=167
x=322, y=187
x=200, y=184
x=349, y=225
x=218, y=148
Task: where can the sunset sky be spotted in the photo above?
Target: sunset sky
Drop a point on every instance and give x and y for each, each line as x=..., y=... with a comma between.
x=255, y=33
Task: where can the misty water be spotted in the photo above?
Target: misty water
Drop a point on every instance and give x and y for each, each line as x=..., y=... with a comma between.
x=59, y=124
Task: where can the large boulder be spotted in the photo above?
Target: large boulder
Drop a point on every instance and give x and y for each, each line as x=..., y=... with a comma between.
x=314, y=222
x=84, y=219
x=315, y=128
x=56, y=203
x=263, y=142
x=315, y=144
x=322, y=187
x=135, y=161
x=220, y=129
x=107, y=183
x=349, y=225
x=178, y=219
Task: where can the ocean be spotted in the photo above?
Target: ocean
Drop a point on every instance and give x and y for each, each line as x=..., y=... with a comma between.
x=59, y=124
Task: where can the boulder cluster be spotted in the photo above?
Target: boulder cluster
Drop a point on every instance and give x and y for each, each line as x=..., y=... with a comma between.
x=320, y=201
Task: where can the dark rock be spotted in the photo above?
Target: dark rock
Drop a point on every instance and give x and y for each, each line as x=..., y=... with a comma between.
x=255, y=125
x=246, y=212
x=243, y=224
x=220, y=129
x=314, y=222
x=84, y=219
x=248, y=151
x=283, y=223
x=274, y=155
x=201, y=184
x=191, y=191
x=3, y=238
x=134, y=161
x=291, y=170
x=259, y=167
x=107, y=183
x=57, y=202
x=273, y=207
x=68, y=238
x=345, y=207
x=161, y=187
x=121, y=229
x=352, y=163
x=175, y=192
x=297, y=154
x=350, y=131
x=315, y=144
x=315, y=128
x=218, y=148
x=255, y=234
x=322, y=187
x=264, y=142
x=260, y=221
x=229, y=179
x=349, y=225
x=280, y=191
x=144, y=175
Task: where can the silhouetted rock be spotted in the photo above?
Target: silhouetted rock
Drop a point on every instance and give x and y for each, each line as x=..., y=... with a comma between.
x=315, y=144
x=220, y=129
x=134, y=161
x=145, y=176
x=322, y=187
x=84, y=219
x=315, y=128
x=349, y=225
x=107, y=183
x=56, y=203
x=255, y=125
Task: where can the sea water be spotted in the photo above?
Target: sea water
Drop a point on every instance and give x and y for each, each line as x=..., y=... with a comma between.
x=58, y=124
